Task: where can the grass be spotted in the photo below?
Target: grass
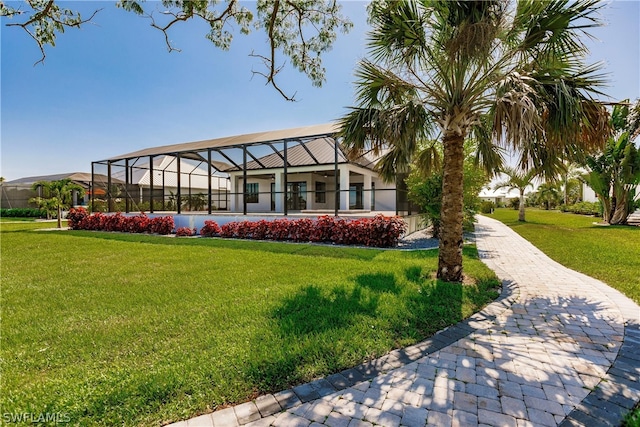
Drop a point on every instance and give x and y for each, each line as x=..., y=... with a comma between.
x=609, y=253
x=110, y=328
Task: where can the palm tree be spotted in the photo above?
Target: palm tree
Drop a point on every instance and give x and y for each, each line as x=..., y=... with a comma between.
x=548, y=194
x=571, y=177
x=614, y=173
x=56, y=195
x=508, y=74
x=517, y=180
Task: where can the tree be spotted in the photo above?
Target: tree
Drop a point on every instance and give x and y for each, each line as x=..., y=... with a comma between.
x=548, y=195
x=571, y=182
x=425, y=189
x=510, y=74
x=614, y=173
x=301, y=30
x=517, y=180
x=56, y=195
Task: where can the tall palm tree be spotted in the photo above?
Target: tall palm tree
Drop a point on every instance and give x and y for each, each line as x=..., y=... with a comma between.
x=509, y=74
x=57, y=194
x=517, y=180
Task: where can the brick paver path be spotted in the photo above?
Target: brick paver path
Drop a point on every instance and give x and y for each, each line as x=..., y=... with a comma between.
x=557, y=348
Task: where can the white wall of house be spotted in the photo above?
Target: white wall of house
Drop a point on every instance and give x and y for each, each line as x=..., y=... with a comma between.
x=588, y=195
x=369, y=182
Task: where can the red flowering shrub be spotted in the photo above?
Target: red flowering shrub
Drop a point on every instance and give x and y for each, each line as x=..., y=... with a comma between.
x=322, y=229
x=379, y=231
x=138, y=224
x=228, y=230
x=162, y=225
x=279, y=229
x=91, y=222
x=75, y=217
x=260, y=230
x=343, y=232
x=244, y=229
x=185, y=232
x=115, y=222
x=300, y=229
x=384, y=231
x=210, y=229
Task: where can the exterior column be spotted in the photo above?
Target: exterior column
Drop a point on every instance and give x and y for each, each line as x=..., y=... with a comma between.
x=344, y=187
x=151, y=172
x=93, y=187
x=233, y=184
x=366, y=196
x=179, y=189
x=126, y=185
x=280, y=192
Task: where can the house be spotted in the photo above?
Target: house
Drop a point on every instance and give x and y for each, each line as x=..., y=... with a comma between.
x=18, y=192
x=301, y=170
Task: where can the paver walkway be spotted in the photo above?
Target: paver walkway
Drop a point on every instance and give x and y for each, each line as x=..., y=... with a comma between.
x=557, y=348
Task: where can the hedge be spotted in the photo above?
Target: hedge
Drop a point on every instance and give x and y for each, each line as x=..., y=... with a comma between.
x=379, y=231
x=79, y=219
x=23, y=213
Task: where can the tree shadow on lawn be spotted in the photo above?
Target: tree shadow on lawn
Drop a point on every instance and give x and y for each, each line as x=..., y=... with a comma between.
x=559, y=354
x=322, y=331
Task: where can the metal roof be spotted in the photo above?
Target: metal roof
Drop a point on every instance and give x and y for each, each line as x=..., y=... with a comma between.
x=231, y=141
x=78, y=177
x=319, y=151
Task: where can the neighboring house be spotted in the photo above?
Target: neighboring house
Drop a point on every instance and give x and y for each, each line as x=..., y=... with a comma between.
x=16, y=193
x=295, y=170
x=500, y=196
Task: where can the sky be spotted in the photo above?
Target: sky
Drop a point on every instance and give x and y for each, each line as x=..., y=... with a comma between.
x=112, y=87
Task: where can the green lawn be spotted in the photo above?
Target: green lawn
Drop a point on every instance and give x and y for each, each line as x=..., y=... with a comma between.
x=142, y=330
x=611, y=254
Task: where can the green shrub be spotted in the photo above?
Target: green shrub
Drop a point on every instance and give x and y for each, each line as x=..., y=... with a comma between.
x=514, y=203
x=632, y=419
x=487, y=207
x=23, y=213
x=584, y=208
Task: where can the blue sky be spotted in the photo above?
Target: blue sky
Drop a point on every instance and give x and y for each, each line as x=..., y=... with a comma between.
x=112, y=87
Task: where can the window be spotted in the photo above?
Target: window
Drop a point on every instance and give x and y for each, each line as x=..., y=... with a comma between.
x=252, y=192
x=321, y=195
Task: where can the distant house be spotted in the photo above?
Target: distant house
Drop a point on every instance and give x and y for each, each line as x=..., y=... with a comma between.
x=500, y=196
x=301, y=170
x=16, y=193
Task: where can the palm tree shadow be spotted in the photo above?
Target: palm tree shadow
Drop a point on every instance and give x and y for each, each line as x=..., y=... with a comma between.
x=314, y=323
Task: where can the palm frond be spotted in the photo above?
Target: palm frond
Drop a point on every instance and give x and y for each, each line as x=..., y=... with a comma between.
x=398, y=32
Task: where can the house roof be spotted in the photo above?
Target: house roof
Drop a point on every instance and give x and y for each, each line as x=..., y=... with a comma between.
x=140, y=174
x=190, y=149
x=319, y=151
x=83, y=178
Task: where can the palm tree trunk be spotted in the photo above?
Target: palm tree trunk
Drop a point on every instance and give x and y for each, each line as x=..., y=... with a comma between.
x=451, y=239
x=521, y=206
x=621, y=210
x=59, y=216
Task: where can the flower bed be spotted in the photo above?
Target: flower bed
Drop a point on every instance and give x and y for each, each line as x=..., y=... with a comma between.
x=79, y=219
x=379, y=231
